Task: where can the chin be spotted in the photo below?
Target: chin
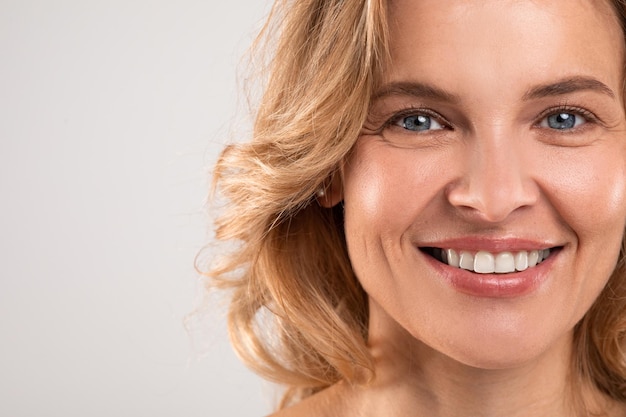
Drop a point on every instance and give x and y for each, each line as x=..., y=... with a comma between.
x=501, y=360
x=503, y=351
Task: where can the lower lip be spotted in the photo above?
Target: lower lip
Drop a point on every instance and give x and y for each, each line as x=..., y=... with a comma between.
x=515, y=284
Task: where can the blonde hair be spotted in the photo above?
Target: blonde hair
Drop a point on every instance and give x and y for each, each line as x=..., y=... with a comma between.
x=298, y=315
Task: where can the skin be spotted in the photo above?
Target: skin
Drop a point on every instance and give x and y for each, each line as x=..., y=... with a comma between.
x=491, y=170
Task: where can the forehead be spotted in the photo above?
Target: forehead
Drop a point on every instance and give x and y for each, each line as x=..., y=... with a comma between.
x=540, y=36
x=600, y=12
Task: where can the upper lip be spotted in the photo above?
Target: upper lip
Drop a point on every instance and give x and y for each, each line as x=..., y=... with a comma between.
x=475, y=243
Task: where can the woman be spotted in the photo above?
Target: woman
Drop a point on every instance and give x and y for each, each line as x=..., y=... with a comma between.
x=432, y=209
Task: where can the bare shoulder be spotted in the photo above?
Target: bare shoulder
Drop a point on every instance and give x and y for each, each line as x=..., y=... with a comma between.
x=332, y=402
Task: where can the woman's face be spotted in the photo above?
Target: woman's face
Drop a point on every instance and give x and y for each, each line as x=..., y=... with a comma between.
x=497, y=138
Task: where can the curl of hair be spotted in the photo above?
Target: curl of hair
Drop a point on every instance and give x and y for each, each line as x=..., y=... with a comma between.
x=292, y=259
x=298, y=315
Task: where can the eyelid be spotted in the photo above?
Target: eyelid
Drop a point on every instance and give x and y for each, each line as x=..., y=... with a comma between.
x=565, y=108
x=415, y=111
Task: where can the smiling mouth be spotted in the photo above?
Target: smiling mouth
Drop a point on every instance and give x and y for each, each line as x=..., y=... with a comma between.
x=483, y=262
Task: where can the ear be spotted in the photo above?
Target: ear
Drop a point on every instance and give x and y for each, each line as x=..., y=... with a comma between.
x=331, y=192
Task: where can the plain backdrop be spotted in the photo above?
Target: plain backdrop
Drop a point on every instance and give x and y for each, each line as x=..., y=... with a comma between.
x=111, y=114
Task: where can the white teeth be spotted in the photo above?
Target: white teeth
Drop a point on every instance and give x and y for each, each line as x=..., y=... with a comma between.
x=466, y=261
x=452, y=257
x=521, y=261
x=483, y=262
x=505, y=262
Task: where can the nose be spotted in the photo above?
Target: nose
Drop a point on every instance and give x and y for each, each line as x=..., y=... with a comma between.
x=495, y=179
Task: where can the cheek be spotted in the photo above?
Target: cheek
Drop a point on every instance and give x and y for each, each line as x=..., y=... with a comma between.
x=386, y=188
x=388, y=193
x=588, y=189
x=371, y=183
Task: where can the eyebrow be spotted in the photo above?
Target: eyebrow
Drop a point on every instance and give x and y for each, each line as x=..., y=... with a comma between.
x=561, y=87
x=415, y=89
x=566, y=86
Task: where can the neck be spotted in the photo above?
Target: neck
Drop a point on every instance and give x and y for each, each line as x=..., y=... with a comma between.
x=413, y=379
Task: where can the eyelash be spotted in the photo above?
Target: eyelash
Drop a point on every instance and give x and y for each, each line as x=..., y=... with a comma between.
x=413, y=111
x=587, y=115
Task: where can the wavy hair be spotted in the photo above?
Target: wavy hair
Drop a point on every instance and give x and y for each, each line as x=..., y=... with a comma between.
x=298, y=315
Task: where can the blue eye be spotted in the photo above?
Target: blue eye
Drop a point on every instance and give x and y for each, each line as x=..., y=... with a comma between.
x=562, y=121
x=418, y=123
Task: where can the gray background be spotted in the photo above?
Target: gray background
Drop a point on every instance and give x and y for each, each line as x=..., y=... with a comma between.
x=111, y=113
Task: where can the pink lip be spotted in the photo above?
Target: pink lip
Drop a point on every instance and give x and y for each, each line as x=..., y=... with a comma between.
x=515, y=284
x=491, y=245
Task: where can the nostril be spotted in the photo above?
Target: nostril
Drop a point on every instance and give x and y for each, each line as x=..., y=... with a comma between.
x=492, y=188
x=488, y=211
